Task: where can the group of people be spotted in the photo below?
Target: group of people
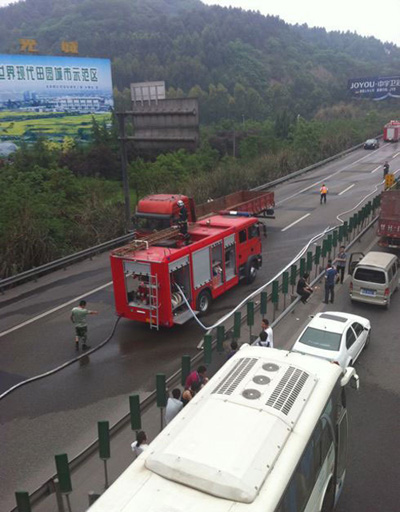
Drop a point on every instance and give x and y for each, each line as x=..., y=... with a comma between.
x=175, y=403
x=333, y=275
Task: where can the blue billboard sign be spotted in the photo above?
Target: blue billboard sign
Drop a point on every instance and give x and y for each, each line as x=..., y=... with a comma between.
x=35, y=87
x=375, y=88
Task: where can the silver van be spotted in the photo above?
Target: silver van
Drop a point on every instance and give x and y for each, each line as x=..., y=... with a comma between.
x=375, y=278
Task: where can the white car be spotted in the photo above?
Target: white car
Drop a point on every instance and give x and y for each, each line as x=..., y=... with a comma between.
x=335, y=336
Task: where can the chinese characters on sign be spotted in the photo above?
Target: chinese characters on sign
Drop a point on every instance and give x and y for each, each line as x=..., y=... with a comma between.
x=28, y=45
x=48, y=73
x=376, y=88
x=69, y=47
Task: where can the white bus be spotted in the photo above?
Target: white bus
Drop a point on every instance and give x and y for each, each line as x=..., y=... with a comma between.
x=267, y=433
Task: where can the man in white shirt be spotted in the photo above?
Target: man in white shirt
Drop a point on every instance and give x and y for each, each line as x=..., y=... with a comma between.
x=174, y=405
x=266, y=338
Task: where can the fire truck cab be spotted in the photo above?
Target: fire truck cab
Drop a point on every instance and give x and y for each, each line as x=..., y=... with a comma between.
x=155, y=279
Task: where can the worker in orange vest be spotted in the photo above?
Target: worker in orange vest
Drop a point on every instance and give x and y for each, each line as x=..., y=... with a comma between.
x=323, y=191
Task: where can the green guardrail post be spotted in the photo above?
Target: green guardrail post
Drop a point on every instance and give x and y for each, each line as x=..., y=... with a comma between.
x=324, y=251
x=161, y=396
x=329, y=244
x=309, y=261
x=23, y=501
x=340, y=235
x=207, y=349
x=134, y=409
x=64, y=476
x=237, y=322
x=346, y=230
x=334, y=241
x=103, y=428
x=275, y=296
x=186, y=367
x=317, y=258
x=285, y=287
x=293, y=277
x=302, y=266
x=263, y=303
x=220, y=338
x=250, y=318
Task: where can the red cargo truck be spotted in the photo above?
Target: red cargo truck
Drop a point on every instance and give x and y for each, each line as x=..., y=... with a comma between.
x=389, y=219
x=154, y=274
x=160, y=211
x=391, y=131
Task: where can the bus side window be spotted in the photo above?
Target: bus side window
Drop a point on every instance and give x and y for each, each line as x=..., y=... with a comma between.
x=242, y=236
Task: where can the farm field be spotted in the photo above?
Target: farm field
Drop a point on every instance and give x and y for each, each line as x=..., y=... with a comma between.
x=17, y=126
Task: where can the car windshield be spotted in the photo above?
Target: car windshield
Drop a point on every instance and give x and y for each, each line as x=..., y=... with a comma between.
x=369, y=275
x=370, y=141
x=318, y=338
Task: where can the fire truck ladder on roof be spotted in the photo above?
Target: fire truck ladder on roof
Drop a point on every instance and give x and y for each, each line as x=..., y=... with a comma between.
x=144, y=243
x=153, y=302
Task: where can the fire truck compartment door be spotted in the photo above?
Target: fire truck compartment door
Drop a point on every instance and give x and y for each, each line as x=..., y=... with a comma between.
x=229, y=240
x=134, y=267
x=178, y=263
x=201, y=267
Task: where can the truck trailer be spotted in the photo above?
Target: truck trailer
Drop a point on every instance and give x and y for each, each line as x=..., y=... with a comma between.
x=391, y=131
x=389, y=219
x=158, y=275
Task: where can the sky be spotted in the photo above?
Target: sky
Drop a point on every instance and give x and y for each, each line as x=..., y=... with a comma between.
x=367, y=18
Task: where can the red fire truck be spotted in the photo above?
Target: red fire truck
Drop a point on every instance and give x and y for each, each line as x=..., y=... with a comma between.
x=151, y=274
x=391, y=131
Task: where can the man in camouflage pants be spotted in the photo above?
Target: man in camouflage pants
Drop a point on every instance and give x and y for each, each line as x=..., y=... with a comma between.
x=78, y=318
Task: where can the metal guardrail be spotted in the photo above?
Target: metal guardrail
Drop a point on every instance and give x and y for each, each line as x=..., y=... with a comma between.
x=63, y=262
x=91, y=251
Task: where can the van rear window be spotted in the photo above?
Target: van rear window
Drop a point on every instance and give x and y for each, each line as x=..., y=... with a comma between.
x=369, y=275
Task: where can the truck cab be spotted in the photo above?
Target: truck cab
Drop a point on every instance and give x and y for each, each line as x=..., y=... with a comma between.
x=160, y=211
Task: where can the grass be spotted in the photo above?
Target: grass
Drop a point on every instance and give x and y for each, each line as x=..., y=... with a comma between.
x=15, y=126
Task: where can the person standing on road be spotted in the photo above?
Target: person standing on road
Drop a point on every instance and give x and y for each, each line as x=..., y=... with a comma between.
x=234, y=349
x=266, y=337
x=330, y=278
x=385, y=169
x=141, y=443
x=174, y=405
x=341, y=262
x=188, y=394
x=323, y=191
x=303, y=288
x=78, y=318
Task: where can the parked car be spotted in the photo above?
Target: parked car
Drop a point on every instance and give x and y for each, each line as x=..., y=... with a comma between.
x=336, y=336
x=374, y=277
x=371, y=144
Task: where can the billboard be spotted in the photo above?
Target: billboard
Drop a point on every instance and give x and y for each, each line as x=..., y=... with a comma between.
x=52, y=96
x=375, y=88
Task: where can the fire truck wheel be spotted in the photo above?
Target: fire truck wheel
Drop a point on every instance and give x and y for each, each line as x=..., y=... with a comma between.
x=203, y=301
x=250, y=272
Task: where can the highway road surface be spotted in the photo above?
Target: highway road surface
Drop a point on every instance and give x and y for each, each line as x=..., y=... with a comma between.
x=59, y=413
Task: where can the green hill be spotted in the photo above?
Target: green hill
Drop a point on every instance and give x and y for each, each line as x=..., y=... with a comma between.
x=239, y=63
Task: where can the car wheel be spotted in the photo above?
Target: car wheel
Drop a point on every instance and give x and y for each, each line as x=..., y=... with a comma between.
x=203, y=302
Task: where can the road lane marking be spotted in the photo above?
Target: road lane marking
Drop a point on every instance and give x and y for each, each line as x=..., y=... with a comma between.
x=346, y=189
x=323, y=180
x=46, y=313
x=397, y=154
x=296, y=221
x=376, y=168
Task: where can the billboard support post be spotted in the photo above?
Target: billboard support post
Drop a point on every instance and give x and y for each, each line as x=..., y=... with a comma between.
x=124, y=169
